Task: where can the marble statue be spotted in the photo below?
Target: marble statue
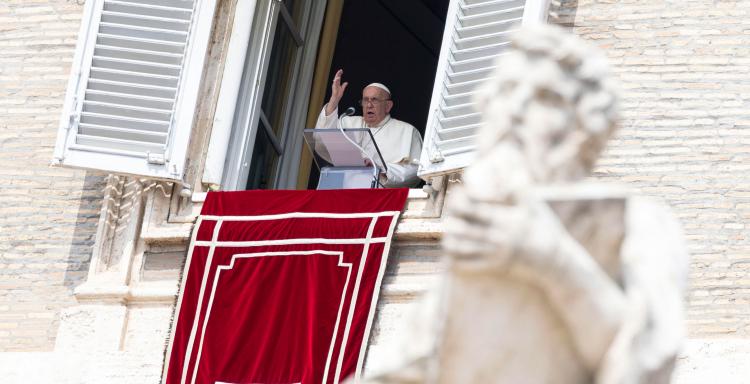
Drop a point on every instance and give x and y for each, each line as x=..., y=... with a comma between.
x=549, y=278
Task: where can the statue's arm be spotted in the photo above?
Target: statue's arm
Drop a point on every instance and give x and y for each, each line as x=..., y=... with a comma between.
x=588, y=301
x=655, y=267
x=630, y=332
x=528, y=241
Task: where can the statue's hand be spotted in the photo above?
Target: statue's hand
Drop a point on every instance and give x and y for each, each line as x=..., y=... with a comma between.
x=478, y=231
x=520, y=238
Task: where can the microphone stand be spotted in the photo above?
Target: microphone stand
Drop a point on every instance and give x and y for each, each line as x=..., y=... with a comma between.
x=375, y=179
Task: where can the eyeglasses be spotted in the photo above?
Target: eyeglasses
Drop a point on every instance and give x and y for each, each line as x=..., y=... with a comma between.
x=374, y=101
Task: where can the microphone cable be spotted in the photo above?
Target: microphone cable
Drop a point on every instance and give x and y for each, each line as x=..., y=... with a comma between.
x=350, y=111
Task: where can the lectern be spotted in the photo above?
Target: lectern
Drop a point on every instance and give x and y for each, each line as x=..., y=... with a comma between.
x=346, y=160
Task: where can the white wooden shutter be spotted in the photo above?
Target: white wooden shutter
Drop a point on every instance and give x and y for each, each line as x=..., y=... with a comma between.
x=476, y=32
x=132, y=94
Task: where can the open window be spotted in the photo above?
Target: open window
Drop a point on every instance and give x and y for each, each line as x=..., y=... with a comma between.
x=286, y=79
x=393, y=42
x=431, y=53
x=262, y=147
x=133, y=92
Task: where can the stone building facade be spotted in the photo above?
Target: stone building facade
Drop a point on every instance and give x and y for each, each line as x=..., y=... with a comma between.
x=48, y=216
x=89, y=263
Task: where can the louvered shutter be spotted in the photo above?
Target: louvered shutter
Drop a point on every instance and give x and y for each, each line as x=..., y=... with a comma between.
x=134, y=85
x=476, y=32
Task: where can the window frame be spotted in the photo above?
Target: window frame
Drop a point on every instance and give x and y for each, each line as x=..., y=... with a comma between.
x=236, y=127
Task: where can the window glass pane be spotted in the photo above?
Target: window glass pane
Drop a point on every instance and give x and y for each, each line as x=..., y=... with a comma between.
x=296, y=10
x=279, y=77
x=263, y=165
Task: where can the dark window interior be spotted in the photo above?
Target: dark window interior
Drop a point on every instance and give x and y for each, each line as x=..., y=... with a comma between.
x=394, y=42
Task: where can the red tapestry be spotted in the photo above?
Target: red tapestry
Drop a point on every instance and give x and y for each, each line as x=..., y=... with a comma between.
x=280, y=287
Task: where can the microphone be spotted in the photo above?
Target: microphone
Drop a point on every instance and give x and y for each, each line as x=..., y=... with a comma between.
x=350, y=111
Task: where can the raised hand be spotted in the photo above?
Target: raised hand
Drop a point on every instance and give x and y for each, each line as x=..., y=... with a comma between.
x=337, y=92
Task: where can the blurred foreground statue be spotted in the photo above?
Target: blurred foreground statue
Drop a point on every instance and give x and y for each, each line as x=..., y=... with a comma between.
x=550, y=279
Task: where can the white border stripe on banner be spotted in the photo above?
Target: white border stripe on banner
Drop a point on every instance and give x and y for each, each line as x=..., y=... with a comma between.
x=352, y=306
x=231, y=265
x=257, y=243
x=194, y=328
x=178, y=306
x=214, y=243
x=374, y=302
x=297, y=215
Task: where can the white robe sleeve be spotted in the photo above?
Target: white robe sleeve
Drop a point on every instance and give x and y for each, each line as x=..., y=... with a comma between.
x=327, y=121
x=404, y=173
x=401, y=176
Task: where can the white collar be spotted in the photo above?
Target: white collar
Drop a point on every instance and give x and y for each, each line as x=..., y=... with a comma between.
x=382, y=123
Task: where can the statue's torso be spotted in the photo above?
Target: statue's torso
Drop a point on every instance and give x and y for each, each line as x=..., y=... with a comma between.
x=523, y=340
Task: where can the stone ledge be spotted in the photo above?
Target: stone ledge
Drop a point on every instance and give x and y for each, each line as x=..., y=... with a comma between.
x=407, y=229
x=168, y=234
x=713, y=361
x=154, y=293
x=121, y=294
x=702, y=361
x=419, y=229
x=166, y=293
x=398, y=293
x=101, y=293
x=414, y=193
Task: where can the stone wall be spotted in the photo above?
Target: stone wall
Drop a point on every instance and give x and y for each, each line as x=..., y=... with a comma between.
x=48, y=215
x=684, y=68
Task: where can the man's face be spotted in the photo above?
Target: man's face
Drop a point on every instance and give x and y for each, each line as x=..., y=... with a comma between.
x=376, y=104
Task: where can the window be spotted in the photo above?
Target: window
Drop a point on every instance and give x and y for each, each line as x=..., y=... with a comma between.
x=265, y=141
x=269, y=106
x=265, y=144
x=268, y=150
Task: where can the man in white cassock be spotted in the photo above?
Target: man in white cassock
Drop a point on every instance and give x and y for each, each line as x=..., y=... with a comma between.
x=399, y=142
